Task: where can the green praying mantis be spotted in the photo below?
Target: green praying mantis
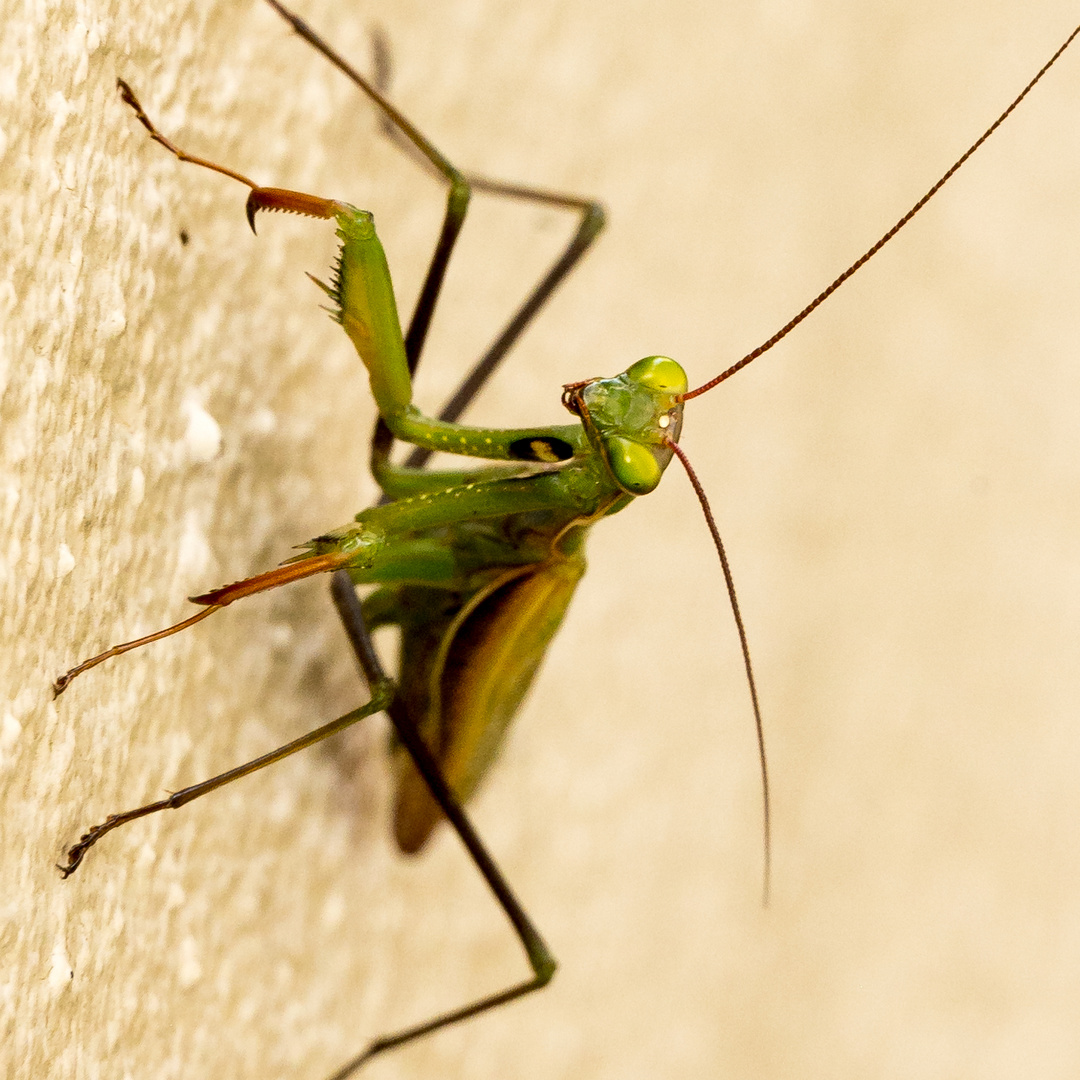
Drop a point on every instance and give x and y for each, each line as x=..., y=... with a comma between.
x=477, y=566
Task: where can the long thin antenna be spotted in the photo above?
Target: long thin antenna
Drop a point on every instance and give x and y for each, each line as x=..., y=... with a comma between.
x=872, y=251
x=729, y=581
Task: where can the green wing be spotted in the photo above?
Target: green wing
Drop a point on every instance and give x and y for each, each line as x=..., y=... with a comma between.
x=466, y=665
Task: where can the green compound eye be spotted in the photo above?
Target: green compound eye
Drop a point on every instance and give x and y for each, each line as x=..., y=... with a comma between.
x=659, y=373
x=634, y=466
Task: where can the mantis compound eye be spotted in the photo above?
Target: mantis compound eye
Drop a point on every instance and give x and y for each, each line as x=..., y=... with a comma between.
x=633, y=464
x=659, y=373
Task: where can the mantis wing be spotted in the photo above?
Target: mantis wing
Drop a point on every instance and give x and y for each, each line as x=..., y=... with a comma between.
x=465, y=673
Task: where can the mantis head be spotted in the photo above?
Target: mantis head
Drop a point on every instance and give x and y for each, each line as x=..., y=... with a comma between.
x=633, y=419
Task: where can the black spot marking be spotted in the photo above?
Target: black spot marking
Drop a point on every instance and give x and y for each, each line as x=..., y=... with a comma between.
x=540, y=448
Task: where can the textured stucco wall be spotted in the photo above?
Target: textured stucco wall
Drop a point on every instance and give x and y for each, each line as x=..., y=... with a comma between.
x=897, y=485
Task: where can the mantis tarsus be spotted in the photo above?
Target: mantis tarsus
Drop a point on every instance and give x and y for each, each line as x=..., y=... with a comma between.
x=230, y=596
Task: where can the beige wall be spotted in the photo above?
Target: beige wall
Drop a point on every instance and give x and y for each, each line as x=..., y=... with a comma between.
x=897, y=485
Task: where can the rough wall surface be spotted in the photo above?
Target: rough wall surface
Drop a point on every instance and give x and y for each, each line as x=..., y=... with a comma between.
x=897, y=485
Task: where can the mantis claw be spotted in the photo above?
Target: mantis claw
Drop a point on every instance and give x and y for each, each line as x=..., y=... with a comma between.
x=289, y=202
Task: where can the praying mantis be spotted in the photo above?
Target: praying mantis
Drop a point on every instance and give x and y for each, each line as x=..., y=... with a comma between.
x=672, y=350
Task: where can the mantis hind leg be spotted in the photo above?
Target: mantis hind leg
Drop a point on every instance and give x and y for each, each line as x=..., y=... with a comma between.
x=538, y=954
